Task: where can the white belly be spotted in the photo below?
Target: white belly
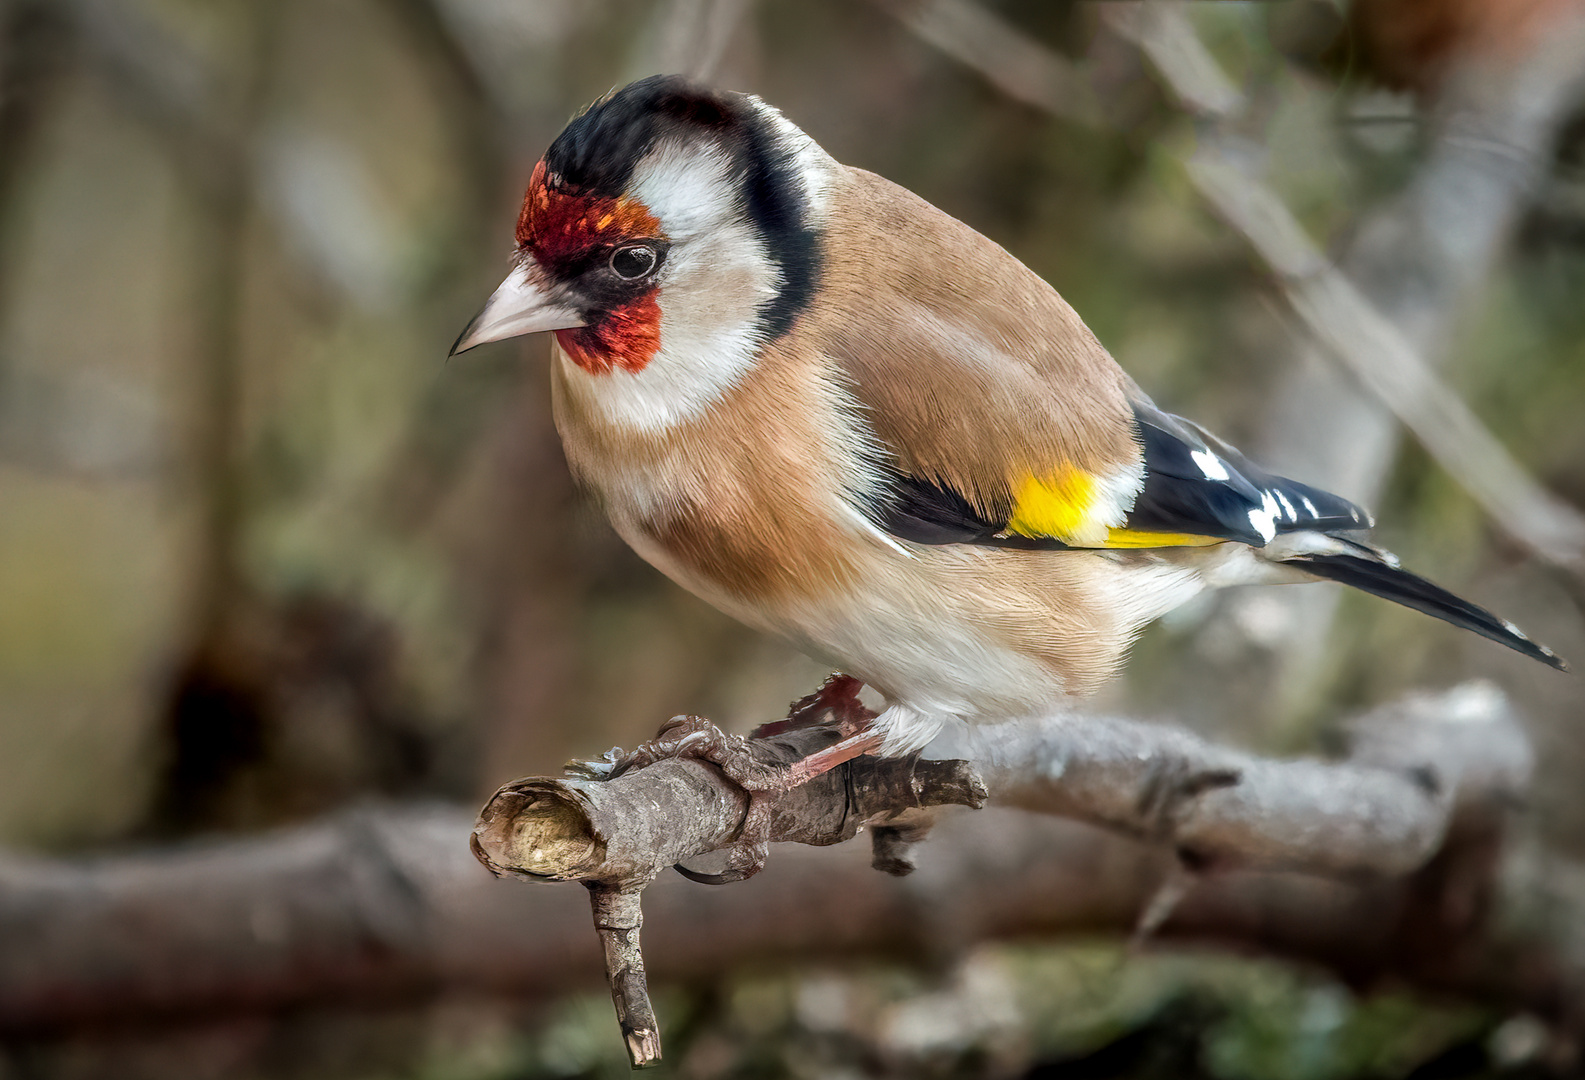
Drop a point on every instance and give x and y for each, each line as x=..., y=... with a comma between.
x=962, y=633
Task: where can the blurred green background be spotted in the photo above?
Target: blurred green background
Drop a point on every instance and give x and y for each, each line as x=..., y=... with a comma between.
x=264, y=552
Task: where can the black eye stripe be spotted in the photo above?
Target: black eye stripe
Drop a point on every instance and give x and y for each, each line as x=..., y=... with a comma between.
x=603, y=277
x=634, y=261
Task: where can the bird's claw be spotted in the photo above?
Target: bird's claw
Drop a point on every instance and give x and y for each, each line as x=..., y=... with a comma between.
x=694, y=737
x=748, y=851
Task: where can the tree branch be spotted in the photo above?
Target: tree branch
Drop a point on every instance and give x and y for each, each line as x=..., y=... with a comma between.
x=617, y=835
x=1382, y=812
x=624, y=832
x=384, y=905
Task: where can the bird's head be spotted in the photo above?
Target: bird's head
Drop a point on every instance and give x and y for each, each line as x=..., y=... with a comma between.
x=668, y=233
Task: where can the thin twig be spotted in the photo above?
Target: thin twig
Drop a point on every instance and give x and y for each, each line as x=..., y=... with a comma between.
x=618, y=918
x=1010, y=60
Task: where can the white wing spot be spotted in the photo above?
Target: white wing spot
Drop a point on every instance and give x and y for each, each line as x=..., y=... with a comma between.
x=1309, y=507
x=1263, y=520
x=1209, y=464
x=1287, y=507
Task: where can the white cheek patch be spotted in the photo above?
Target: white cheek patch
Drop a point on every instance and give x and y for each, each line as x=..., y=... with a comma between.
x=717, y=277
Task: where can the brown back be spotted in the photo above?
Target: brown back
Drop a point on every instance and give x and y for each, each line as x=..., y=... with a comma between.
x=974, y=370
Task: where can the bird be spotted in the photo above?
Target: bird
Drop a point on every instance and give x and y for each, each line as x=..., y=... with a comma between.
x=846, y=418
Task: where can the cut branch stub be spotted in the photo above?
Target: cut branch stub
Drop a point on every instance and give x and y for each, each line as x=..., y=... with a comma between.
x=619, y=832
x=537, y=830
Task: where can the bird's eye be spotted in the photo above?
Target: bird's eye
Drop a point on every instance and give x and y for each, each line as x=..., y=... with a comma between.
x=633, y=261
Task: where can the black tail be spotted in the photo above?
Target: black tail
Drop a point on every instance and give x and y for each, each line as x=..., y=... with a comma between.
x=1380, y=578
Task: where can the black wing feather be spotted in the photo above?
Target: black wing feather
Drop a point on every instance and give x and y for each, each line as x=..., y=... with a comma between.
x=931, y=513
x=1369, y=572
x=1195, y=483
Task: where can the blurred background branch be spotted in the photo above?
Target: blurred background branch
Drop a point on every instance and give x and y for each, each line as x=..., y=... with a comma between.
x=1010, y=60
x=1376, y=350
x=1372, y=347
x=1421, y=257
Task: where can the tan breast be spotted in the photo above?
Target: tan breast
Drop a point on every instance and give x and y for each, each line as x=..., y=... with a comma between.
x=742, y=501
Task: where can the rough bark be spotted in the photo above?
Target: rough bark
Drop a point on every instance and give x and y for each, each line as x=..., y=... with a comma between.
x=623, y=832
x=1413, y=767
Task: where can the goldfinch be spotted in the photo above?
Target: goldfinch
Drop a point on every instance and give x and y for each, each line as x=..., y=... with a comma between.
x=846, y=418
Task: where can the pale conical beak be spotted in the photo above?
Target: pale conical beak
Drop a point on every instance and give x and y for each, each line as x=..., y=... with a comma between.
x=524, y=304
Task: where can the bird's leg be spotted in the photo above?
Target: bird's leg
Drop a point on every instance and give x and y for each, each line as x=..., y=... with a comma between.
x=837, y=699
x=836, y=703
x=823, y=761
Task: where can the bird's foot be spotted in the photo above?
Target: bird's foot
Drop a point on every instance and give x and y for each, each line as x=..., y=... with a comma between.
x=835, y=703
x=694, y=737
x=765, y=785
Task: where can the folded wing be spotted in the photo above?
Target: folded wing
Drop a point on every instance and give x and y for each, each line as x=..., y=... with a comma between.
x=1194, y=489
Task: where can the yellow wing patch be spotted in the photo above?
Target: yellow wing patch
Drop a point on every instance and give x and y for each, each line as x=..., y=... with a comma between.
x=1062, y=507
x=1083, y=510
